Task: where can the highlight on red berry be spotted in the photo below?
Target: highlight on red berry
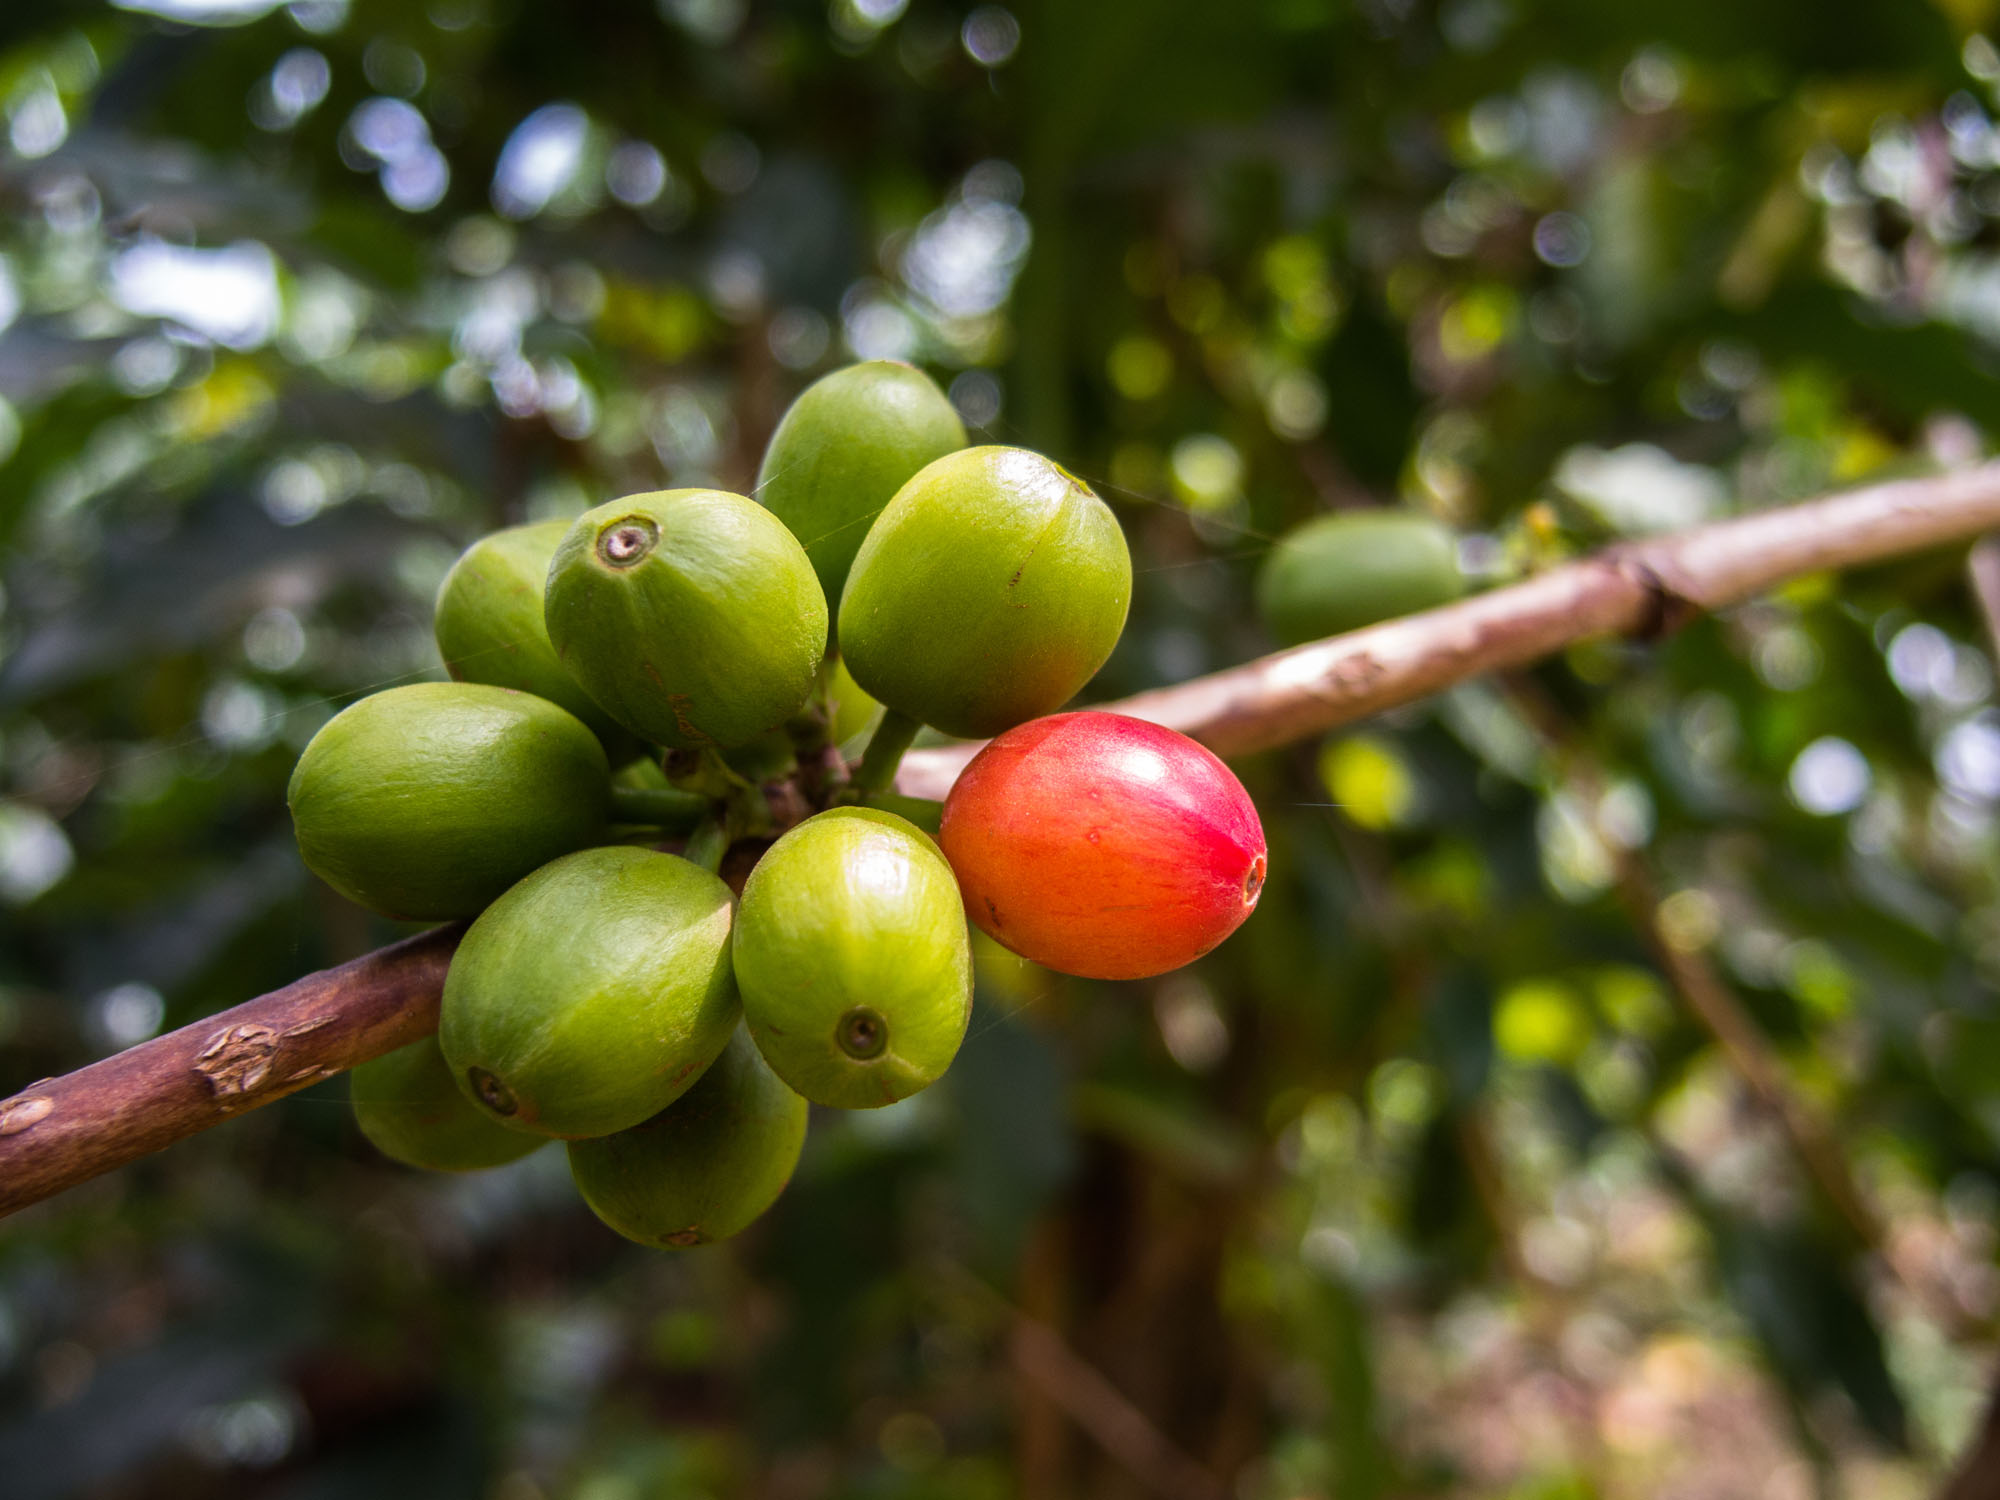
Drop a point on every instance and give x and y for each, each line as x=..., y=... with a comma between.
x=1103, y=846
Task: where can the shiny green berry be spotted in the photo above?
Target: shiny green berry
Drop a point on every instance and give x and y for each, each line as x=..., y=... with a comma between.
x=988, y=592
x=427, y=801
x=853, y=959
x=850, y=441
x=489, y=620
x=692, y=616
x=592, y=994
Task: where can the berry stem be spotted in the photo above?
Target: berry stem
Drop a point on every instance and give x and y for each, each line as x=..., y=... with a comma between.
x=657, y=807
x=724, y=772
x=820, y=768
x=877, y=771
x=703, y=773
x=706, y=846
x=747, y=814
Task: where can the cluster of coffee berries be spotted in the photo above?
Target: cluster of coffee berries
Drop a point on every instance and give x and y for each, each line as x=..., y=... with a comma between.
x=680, y=669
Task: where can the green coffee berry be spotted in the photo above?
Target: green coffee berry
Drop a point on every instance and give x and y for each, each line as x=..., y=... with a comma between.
x=691, y=616
x=704, y=1167
x=850, y=441
x=853, y=959
x=987, y=592
x=409, y=1106
x=427, y=801
x=489, y=622
x=1341, y=572
x=592, y=994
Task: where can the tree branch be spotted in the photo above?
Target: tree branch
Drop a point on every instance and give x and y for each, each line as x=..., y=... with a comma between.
x=1704, y=994
x=62, y=1132
x=1075, y=1387
x=1749, y=1055
x=1982, y=571
x=1637, y=588
x=1101, y=1409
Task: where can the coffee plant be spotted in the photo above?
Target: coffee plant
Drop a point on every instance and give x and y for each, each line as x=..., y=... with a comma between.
x=613, y=463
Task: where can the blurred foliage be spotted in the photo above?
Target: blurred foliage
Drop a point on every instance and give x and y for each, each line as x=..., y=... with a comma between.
x=1426, y=1183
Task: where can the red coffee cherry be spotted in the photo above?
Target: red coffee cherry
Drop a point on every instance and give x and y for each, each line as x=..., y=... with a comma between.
x=1103, y=846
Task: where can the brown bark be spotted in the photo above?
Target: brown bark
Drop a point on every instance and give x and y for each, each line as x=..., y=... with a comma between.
x=1637, y=589
x=61, y=1132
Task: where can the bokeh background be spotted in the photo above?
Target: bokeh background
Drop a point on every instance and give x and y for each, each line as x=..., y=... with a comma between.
x=1427, y=1183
